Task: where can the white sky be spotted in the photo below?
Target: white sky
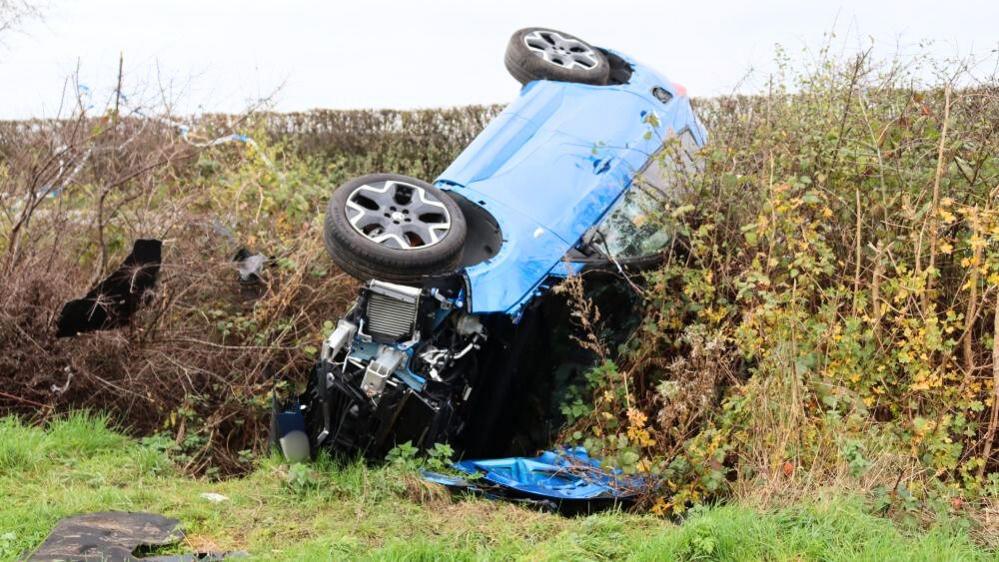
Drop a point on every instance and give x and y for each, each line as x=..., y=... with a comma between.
x=217, y=55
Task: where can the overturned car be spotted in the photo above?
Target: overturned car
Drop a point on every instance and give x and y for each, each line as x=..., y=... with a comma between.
x=449, y=334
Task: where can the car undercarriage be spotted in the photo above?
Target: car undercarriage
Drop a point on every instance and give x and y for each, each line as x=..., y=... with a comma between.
x=456, y=336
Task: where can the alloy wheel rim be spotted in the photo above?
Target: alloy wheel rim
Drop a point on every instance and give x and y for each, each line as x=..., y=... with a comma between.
x=398, y=215
x=561, y=51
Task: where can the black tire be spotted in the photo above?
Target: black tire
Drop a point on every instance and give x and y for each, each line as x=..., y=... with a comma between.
x=527, y=64
x=365, y=259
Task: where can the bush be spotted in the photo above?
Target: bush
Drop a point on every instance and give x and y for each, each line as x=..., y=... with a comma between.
x=828, y=312
x=197, y=364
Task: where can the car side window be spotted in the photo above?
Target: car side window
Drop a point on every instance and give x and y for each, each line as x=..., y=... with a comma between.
x=634, y=228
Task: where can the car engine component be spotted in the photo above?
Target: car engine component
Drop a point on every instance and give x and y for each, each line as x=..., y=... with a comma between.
x=341, y=337
x=379, y=369
x=391, y=310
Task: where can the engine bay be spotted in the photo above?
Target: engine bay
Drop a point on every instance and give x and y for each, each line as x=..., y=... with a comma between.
x=396, y=368
x=411, y=365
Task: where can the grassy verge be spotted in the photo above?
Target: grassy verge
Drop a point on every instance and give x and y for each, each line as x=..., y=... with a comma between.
x=323, y=512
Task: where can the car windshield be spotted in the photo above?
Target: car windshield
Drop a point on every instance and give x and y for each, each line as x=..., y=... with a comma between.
x=634, y=227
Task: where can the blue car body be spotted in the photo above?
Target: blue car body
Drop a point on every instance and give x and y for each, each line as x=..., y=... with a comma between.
x=452, y=357
x=551, y=165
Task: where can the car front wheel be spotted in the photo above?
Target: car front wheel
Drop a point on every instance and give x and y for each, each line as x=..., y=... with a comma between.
x=393, y=228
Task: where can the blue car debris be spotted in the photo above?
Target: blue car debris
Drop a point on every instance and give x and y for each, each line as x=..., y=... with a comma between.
x=450, y=333
x=568, y=481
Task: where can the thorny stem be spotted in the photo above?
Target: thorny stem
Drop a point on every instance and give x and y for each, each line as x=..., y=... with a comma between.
x=971, y=314
x=935, y=204
x=990, y=434
x=858, y=244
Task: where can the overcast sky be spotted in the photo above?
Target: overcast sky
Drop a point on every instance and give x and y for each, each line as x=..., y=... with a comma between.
x=218, y=55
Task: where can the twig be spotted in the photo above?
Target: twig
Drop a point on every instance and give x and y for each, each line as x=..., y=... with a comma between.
x=858, y=245
x=990, y=433
x=971, y=314
x=935, y=204
x=117, y=90
x=24, y=400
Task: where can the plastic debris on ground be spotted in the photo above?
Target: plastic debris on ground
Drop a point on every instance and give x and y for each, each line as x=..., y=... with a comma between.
x=213, y=497
x=568, y=481
x=112, y=302
x=116, y=536
x=249, y=266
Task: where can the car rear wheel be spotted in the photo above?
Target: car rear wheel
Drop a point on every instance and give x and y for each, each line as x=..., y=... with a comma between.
x=393, y=228
x=537, y=53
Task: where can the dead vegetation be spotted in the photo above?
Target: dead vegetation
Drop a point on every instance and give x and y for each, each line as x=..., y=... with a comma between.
x=195, y=367
x=197, y=364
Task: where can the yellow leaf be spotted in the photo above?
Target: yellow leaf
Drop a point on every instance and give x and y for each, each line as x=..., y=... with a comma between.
x=661, y=507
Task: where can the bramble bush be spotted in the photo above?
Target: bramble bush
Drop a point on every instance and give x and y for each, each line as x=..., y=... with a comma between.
x=828, y=309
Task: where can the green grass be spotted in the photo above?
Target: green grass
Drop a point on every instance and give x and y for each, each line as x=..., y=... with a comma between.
x=334, y=512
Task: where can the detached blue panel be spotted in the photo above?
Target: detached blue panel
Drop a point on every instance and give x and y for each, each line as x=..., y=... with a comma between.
x=550, y=166
x=567, y=475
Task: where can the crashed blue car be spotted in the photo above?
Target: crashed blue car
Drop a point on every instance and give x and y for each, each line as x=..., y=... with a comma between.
x=449, y=334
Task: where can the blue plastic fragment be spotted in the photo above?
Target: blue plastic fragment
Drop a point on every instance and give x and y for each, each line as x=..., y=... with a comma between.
x=565, y=477
x=445, y=480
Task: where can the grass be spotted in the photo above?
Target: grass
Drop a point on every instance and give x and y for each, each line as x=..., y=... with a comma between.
x=325, y=511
